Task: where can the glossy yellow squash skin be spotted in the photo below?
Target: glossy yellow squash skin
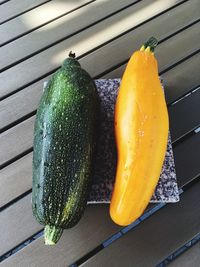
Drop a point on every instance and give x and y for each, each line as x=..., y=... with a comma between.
x=141, y=131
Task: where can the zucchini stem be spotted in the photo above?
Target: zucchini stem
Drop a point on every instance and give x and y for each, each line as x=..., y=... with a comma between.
x=52, y=234
x=72, y=55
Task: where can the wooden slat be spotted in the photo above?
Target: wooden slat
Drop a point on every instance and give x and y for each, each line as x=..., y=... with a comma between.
x=16, y=140
x=61, y=28
x=190, y=258
x=187, y=155
x=156, y=237
x=15, y=224
x=3, y=1
x=15, y=179
x=94, y=36
x=36, y=18
x=97, y=62
x=186, y=77
x=185, y=115
x=94, y=228
x=178, y=47
x=26, y=101
x=25, y=45
x=188, y=151
x=15, y=7
x=116, y=72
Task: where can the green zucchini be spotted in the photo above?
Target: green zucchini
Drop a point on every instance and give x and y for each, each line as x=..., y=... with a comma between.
x=64, y=139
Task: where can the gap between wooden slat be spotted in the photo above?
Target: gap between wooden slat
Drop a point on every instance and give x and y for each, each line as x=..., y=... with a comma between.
x=4, y=1
x=98, y=248
x=18, y=247
x=180, y=61
x=23, y=12
x=119, y=234
x=152, y=241
x=183, y=137
x=33, y=227
x=186, y=256
x=56, y=18
x=73, y=33
x=184, y=116
x=27, y=54
x=42, y=24
x=104, y=46
x=193, y=90
x=20, y=86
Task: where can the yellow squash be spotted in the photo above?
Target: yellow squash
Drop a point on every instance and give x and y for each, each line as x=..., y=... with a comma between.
x=141, y=131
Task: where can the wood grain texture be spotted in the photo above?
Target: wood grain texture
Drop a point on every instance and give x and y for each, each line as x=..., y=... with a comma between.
x=98, y=61
x=3, y=1
x=116, y=72
x=15, y=179
x=49, y=59
x=26, y=101
x=178, y=47
x=94, y=228
x=185, y=76
x=36, y=18
x=187, y=155
x=16, y=140
x=13, y=8
x=185, y=115
x=61, y=28
x=15, y=224
x=156, y=237
x=190, y=258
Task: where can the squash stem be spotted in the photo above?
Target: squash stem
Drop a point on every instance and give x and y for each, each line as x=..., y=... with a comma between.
x=52, y=234
x=72, y=55
x=150, y=44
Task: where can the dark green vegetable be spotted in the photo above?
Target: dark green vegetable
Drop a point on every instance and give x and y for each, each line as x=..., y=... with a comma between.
x=64, y=138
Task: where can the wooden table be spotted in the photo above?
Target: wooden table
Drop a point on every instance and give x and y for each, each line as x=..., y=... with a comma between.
x=35, y=36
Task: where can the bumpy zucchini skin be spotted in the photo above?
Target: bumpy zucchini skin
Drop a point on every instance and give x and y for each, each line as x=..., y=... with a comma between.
x=64, y=139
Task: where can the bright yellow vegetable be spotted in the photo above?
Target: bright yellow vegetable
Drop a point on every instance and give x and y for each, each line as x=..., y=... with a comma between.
x=141, y=130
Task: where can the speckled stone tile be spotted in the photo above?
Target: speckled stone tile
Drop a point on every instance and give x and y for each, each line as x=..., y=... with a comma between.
x=105, y=157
